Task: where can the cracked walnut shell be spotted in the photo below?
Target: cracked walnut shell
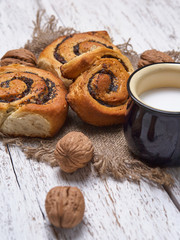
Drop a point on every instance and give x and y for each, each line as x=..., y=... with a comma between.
x=73, y=151
x=153, y=56
x=19, y=56
x=65, y=206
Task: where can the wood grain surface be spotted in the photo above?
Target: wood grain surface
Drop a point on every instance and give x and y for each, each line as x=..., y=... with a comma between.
x=114, y=210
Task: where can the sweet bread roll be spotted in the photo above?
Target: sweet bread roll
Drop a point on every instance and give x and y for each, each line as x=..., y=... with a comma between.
x=79, y=64
x=66, y=48
x=99, y=95
x=32, y=102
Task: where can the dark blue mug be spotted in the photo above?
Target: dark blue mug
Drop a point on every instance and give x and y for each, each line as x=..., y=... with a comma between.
x=153, y=134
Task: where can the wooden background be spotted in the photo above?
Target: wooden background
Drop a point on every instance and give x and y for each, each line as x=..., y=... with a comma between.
x=114, y=210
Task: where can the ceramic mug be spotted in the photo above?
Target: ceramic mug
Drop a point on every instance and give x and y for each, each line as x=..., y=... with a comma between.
x=153, y=132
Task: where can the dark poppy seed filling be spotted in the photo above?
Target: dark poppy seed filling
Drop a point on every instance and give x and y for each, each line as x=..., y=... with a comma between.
x=51, y=90
x=62, y=60
x=113, y=87
x=57, y=56
x=76, y=47
x=42, y=98
x=120, y=60
x=76, y=50
x=9, y=72
x=27, y=81
x=29, y=72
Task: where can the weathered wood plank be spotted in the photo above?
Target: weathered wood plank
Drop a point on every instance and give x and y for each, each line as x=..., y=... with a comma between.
x=114, y=210
x=16, y=23
x=20, y=214
x=176, y=189
x=149, y=24
x=174, y=192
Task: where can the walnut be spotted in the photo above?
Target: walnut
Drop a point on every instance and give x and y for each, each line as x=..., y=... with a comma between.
x=73, y=151
x=153, y=56
x=65, y=206
x=19, y=56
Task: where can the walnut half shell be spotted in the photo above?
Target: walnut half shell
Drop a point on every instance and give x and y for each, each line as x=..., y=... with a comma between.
x=19, y=56
x=65, y=206
x=73, y=151
x=153, y=56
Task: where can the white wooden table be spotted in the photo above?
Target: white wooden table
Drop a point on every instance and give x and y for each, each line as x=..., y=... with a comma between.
x=114, y=210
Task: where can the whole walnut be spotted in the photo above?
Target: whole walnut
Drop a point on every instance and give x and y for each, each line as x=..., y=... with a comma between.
x=19, y=56
x=153, y=56
x=65, y=206
x=73, y=151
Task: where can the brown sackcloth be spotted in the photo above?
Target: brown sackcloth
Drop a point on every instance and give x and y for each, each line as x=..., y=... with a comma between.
x=112, y=157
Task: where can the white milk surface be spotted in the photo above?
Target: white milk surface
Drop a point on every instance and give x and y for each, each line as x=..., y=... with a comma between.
x=167, y=99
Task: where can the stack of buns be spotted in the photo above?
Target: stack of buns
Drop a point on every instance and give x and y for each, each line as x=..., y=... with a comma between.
x=85, y=70
x=96, y=73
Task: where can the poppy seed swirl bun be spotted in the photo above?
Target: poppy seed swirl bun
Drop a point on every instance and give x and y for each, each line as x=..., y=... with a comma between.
x=32, y=102
x=99, y=95
x=57, y=56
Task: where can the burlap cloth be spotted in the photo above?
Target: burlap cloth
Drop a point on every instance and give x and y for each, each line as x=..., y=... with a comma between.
x=112, y=157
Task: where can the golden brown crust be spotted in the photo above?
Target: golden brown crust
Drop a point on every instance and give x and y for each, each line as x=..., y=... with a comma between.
x=99, y=96
x=102, y=34
x=31, y=91
x=79, y=64
x=66, y=48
